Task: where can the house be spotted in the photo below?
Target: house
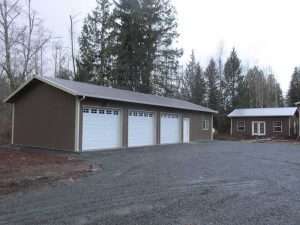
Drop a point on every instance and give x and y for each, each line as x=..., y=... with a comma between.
x=60, y=114
x=264, y=122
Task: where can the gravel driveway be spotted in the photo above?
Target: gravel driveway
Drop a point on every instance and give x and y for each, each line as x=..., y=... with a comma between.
x=207, y=183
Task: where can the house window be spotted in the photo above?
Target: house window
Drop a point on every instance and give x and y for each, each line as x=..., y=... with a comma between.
x=205, y=125
x=241, y=126
x=277, y=126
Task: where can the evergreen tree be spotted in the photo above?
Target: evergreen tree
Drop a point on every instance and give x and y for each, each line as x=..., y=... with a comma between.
x=144, y=32
x=233, y=77
x=211, y=74
x=189, y=77
x=86, y=68
x=95, y=56
x=194, y=85
x=199, y=87
x=294, y=90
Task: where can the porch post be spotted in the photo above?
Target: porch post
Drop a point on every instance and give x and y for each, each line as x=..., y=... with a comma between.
x=231, y=131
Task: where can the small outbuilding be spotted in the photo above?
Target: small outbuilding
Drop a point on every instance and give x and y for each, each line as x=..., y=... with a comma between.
x=264, y=122
x=67, y=115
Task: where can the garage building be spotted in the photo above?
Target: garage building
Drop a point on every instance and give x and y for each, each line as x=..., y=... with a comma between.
x=265, y=122
x=67, y=115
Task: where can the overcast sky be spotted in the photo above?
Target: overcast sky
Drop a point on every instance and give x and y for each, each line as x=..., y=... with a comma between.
x=264, y=32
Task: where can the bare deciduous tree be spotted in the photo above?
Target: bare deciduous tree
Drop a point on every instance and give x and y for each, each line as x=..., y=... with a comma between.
x=22, y=43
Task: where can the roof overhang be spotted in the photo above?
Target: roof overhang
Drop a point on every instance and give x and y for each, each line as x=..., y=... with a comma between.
x=263, y=112
x=262, y=116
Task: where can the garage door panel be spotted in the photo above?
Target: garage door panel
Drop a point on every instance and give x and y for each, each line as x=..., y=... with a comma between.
x=141, y=128
x=101, y=129
x=170, y=128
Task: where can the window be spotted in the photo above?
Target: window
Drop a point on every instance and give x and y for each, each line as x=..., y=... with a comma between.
x=116, y=113
x=85, y=110
x=108, y=112
x=101, y=111
x=205, y=125
x=94, y=111
x=277, y=126
x=241, y=126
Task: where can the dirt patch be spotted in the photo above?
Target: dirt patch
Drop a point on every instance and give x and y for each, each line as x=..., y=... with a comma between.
x=23, y=169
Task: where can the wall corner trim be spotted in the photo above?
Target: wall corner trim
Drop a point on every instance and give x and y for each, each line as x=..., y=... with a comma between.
x=13, y=124
x=231, y=127
x=77, y=124
x=212, y=127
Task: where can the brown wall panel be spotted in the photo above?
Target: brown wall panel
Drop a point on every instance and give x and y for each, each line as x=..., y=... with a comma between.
x=45, y=117
x=269, y=126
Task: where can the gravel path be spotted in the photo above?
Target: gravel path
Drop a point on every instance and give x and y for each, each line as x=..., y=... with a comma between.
x=207, y=183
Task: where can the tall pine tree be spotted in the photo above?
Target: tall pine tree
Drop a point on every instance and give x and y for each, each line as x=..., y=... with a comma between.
x=199, y=87
x=294, y=90
x=144, y=33
x=194, y=85
x=95, y=62
x=189, y=77
x=211, y=74
x=233, y=78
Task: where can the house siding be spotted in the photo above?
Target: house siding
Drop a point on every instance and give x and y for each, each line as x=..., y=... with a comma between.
x=44, y=117
x=196, y=131
x=287, y=127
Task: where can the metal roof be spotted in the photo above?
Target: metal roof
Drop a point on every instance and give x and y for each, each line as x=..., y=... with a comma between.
x=263, y=112
x=100, y=92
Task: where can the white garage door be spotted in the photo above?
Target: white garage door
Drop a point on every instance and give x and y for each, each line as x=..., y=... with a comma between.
x=141, y=128
x=101, y=129
x=170, y=128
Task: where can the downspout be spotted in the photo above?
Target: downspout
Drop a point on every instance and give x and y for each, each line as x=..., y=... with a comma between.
x=77, y=122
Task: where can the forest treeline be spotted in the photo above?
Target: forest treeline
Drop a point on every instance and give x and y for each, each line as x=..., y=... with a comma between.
x=131, y=44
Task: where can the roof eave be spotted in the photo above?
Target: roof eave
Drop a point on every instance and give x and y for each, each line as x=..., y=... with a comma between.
x=260, y=116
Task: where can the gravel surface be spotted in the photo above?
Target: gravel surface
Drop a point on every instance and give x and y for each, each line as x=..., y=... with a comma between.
x=199, y=184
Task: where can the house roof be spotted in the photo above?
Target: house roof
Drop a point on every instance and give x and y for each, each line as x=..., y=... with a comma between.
x=264, y=112
x=95, y=91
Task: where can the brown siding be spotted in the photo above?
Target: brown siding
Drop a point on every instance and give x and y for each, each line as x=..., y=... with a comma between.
x=45, y=117
x=269, y=126
x=196, y=131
